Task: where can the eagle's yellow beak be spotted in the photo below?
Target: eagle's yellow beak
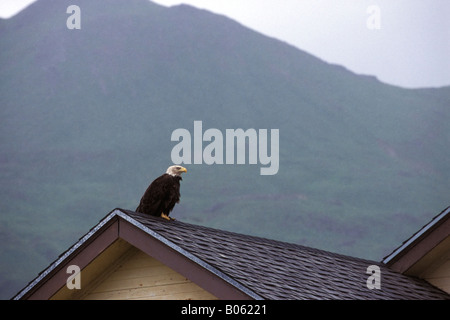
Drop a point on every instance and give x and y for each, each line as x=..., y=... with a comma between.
x=183, y=169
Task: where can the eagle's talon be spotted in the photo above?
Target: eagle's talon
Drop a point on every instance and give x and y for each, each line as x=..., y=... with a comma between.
x=164, y=216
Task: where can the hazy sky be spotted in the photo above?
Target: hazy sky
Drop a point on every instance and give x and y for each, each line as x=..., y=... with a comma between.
x=402, y=42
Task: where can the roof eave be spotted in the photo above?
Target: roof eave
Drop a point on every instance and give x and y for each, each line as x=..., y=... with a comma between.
x=437, y=223
x=63, y=257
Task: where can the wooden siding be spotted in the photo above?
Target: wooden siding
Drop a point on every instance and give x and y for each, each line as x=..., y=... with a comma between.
x=438, y=271
x=441, y=277
x=142, y=277
x=434, y=267
x=96, y=271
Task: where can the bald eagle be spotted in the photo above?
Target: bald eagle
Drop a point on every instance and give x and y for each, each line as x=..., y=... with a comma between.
x=162, y=194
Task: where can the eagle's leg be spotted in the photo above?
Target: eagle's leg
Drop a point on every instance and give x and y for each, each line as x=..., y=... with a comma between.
x=164, y=216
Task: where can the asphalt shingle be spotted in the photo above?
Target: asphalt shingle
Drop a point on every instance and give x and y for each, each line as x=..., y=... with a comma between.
x=279, y=270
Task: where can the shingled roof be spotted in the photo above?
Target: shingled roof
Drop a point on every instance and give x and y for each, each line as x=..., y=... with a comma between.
x=262, y=268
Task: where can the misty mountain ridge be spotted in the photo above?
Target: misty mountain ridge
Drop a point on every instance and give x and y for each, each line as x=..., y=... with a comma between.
x=87, y=117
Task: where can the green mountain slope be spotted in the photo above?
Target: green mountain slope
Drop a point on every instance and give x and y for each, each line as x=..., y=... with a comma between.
x=87, y=115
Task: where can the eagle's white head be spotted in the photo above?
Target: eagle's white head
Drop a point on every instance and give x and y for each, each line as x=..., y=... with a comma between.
x=175, y=170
